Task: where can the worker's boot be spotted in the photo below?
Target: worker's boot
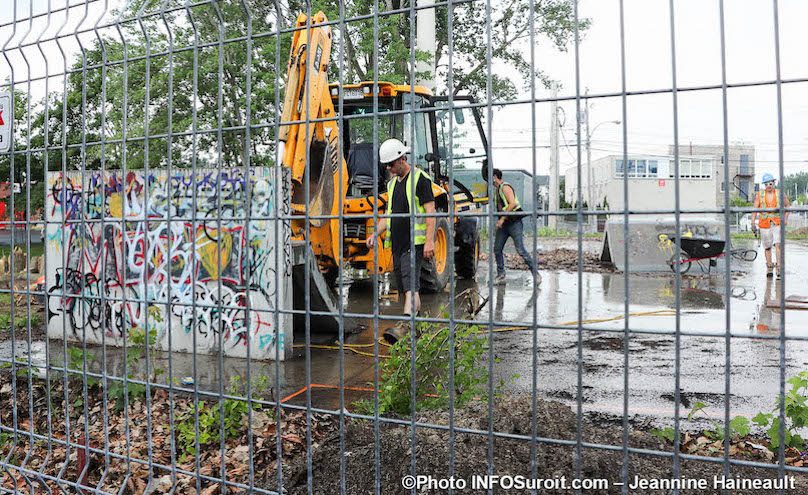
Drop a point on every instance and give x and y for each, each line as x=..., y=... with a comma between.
x=396, y=332
x=769, y=268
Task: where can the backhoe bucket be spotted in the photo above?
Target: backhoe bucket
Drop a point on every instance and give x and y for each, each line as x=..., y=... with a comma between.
x=320, y=297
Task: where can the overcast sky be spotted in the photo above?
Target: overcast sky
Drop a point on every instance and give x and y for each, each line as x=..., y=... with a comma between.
x=750, y=55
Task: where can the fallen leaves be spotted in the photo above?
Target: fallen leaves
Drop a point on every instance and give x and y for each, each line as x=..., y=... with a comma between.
x=143, y=434
x=748, y=447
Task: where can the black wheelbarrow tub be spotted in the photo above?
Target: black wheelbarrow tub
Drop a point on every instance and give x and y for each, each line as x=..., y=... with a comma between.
x=701, y=248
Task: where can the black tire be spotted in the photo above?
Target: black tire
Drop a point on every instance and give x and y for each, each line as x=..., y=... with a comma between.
x=466, y=258
x=331, y=276
x=433, y=281
x=677, y=264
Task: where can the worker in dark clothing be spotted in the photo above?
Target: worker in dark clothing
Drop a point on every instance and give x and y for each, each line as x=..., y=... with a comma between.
x=406, y=180
x=509, y=226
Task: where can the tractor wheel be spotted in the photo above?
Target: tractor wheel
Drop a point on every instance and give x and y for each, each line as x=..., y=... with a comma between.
x=435, y=272
x=466, y=257
x=331, y=276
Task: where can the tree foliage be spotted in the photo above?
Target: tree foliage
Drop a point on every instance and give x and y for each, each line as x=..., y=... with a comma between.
x=798, y=182
x=510, y=35
x=168, y=84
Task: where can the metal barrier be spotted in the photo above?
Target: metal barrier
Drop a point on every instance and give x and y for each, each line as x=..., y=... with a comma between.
x=180, y=184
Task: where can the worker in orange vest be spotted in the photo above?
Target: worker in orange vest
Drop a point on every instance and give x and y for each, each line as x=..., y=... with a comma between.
x=770, y=221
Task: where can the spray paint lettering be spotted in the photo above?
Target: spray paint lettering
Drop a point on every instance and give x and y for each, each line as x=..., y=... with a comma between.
x=190, y=255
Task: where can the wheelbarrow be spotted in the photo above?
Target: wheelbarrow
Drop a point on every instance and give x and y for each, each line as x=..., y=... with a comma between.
x=705, y=252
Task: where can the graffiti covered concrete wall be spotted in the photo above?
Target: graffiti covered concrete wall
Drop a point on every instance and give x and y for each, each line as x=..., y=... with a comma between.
x=175, y=255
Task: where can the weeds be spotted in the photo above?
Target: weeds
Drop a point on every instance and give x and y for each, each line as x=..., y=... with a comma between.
x=126, y=390
x=667, y=433
x=20, y=322
x=795, y=403
x=230, y=413
x=5, y=439
x=431, y=370
x=796, y=414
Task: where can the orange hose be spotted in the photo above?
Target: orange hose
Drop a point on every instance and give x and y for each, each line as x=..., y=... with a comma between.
x=321, y=385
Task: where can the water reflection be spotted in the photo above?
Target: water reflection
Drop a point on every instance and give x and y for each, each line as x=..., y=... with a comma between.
x=768, y=318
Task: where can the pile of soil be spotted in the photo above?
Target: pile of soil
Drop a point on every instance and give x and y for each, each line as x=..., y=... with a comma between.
x=511, y=456
x=145, y=434
x=558, y=259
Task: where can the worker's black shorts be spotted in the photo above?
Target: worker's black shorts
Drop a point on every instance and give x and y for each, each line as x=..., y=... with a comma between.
x=405, y=272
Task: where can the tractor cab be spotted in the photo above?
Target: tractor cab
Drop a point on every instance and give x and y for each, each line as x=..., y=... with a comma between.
x=418, y=119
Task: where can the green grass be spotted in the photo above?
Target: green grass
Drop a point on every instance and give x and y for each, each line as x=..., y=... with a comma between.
x=20, y=322
x=563, y=233
x=749, y=235
x=36, y=249
x=548, y=233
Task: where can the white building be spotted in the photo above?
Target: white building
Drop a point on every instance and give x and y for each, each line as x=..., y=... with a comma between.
x=651, y=184
x=741, y=168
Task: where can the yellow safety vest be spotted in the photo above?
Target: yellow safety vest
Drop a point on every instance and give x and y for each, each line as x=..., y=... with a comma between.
x=767, y=217
x=504, y=200
x=420, y=223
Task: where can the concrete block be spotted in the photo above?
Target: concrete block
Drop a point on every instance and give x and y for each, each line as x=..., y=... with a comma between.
x=650, y=245
x=174, y=255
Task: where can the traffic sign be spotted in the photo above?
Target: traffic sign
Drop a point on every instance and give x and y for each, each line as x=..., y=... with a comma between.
x=6, y=119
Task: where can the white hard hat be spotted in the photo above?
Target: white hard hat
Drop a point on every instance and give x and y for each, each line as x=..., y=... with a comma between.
x=391, y=150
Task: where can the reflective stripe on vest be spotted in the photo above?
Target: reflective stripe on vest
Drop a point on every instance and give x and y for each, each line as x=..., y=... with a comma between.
x=420, y=223
x=504, y=200
x=767, y=217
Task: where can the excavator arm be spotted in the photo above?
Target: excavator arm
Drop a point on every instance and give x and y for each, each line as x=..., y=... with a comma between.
x=310, y=140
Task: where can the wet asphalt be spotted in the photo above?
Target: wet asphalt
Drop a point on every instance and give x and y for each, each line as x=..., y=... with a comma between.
x=723, y=335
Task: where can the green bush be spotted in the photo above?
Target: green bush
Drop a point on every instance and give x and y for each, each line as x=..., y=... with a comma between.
x=234, y=412
x=796, y=414
x=431, y=371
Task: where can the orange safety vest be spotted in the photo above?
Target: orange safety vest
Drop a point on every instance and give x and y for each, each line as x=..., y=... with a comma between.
x=767, y=217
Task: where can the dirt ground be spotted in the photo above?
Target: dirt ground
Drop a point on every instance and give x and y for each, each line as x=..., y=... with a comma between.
x=511, y=456
x=557, y=259
x=21, y=319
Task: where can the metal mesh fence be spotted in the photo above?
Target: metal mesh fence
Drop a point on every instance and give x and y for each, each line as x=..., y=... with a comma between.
x=220, y=274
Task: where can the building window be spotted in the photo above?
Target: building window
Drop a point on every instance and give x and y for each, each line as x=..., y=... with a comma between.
x=632, y=168
x=618, y=168
x=637, y=168
x=693, y=169
x=642, y=168
x=706, y=169
x=744, y=187
x=685, y=168
x=744, y=165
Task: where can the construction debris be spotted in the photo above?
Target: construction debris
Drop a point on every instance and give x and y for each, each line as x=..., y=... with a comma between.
x=558, y=259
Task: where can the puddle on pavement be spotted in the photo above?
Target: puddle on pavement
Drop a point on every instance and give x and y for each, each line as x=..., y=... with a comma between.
x=704, y=302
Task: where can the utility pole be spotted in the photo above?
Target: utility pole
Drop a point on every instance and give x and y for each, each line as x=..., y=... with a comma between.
x=425, y=41
x=589, y=179
x=553, y=219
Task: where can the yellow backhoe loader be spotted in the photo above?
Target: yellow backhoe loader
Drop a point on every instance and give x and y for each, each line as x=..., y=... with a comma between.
x=335, y=170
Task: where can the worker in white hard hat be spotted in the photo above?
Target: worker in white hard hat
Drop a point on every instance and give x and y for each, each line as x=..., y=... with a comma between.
x=769, y=223
x=409, y=185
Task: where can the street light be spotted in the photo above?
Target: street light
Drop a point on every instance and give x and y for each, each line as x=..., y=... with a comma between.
x=590, y=178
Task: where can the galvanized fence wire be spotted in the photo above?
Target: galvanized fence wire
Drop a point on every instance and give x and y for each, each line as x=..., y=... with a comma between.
x=139, y=105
